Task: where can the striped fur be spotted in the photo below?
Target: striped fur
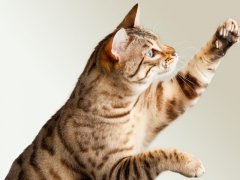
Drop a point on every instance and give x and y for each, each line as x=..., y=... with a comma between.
x=117, y=108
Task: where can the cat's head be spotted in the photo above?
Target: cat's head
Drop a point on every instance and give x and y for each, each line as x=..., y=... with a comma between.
x=137, y=54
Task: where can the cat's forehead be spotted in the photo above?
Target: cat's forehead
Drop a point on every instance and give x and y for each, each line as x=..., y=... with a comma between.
x=142, y=33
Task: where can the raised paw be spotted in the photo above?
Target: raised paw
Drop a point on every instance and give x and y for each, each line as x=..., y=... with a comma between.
x=192, y=167
x=226, y=35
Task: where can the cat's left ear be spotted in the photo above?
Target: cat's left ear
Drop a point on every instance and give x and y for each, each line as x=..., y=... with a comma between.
x=132, y=19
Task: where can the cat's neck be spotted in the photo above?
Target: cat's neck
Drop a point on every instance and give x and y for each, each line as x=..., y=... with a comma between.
x=99, y=93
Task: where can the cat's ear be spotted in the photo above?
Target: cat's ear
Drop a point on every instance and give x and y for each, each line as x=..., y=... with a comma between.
x=119, y=43
x=132, y=19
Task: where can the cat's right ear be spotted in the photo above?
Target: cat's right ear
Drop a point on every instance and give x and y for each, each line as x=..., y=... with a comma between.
x=132, y=19
x=119, y=44
x=114, y=50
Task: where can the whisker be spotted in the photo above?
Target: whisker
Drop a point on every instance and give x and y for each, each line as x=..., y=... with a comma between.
x=187, y=81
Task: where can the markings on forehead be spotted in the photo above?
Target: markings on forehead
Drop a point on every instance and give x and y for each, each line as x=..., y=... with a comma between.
x=150, y=42
x=142, y=33
x=153, y=44
x=145, y=46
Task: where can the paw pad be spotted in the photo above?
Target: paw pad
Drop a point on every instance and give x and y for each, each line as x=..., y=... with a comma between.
x=228, y=33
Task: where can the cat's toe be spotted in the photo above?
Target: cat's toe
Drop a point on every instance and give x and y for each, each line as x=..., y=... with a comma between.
x=200, y=172
x=228, y=31
x=194, y=168
x=197, y=169
x=227, y=34
x=229, y=26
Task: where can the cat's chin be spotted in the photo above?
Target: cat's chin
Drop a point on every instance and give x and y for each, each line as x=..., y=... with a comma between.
x=166, y=74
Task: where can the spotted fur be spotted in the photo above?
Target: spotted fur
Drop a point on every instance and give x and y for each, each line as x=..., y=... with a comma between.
x=119, y=105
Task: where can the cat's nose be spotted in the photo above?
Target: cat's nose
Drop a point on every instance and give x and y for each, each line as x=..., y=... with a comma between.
x=169, y=50
x=169, y=60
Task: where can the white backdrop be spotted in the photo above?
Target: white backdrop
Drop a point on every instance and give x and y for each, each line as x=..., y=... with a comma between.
x=44, y=46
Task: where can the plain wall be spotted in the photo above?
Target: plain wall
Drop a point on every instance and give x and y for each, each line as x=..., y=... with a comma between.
x=44, y=46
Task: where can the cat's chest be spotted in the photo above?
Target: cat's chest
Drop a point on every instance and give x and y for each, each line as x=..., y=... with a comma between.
x=98, y=144
x=106, y=136
x=97, y=139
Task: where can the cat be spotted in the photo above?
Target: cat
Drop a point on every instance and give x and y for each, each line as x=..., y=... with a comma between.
x=119, y=105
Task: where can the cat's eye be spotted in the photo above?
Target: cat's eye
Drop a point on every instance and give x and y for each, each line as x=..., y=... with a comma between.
x=150, y=53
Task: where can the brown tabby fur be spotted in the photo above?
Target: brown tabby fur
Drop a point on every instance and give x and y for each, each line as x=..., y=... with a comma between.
x=117, y=108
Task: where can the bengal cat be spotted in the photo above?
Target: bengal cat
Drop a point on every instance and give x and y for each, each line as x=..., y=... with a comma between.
x=119, y=105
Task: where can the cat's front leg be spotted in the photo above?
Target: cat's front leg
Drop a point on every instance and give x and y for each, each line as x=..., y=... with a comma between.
x=203, y=65
x=164, y=102
x=150, y=164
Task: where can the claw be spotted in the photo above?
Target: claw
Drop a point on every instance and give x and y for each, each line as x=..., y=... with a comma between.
x=229, y=30
x=217, y=44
